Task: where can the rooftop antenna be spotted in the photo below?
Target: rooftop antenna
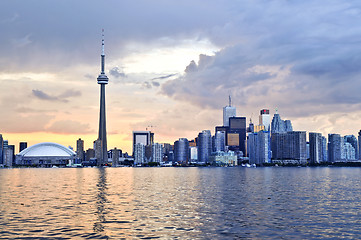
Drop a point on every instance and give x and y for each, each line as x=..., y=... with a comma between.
x=276, y=110
x=230, y=101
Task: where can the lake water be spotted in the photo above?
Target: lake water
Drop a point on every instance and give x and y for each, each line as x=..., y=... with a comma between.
x=184, y=203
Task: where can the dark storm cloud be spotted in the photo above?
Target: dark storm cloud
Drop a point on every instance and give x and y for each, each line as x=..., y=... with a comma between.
x=283, y=54
x=42, y=35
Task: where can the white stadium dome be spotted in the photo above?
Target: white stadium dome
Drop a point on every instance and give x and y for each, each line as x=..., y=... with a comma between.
x=45, y=154
x=48, y=149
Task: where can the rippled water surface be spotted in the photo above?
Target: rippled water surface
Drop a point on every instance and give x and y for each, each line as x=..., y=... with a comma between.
x=184, y=203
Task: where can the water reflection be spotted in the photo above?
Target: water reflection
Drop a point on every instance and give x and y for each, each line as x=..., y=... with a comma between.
x=191, y=203
x=101, y=200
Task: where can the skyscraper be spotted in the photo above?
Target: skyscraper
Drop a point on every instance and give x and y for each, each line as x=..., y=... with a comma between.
x=22, y=146
x=265, y=119
x=2, y=149
x=102, y=80
x=80, y=149
x=259, y=148
x=236, y=134
x=204, y=146
x=228, y=111
x=334, y=148
x=143, y=137
x=181, y=151
x=315, y=147
x=359, y=145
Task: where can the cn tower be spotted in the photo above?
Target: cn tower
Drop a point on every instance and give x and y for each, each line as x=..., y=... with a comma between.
x=102, y=80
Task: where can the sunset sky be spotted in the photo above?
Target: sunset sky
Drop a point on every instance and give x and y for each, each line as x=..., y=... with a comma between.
x=172, y=65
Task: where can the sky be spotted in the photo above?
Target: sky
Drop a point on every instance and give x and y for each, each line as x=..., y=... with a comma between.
x=172, y=64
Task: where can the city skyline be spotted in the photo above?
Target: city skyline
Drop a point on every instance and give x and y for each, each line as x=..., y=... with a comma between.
x=173, y=71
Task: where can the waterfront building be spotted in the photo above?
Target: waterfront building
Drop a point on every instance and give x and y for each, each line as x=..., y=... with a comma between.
x=1, y=149
x=204, y=146
x=102, y=79
x=45, y=154
x=193, y=154
x=181, y=151
x=289, y=146
x=219, y=141
x=223, y=159
x=259, y=147
x=90, y=153
x=265, y=119
x=324, y=149
x=143, y=137
x=334, y=148
x=97, y=145
x=348, y=152
x=353, y=141
x=80, y=149
x=22, y=146
x=116, y=154
x=157, y=152
x=359, y=145
x=315, y=140
x=8, y=156
x=139, y=153
x=236, y=134
x=228, y=111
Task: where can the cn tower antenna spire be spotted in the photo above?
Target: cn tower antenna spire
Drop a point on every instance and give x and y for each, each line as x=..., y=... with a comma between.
x=102, y=81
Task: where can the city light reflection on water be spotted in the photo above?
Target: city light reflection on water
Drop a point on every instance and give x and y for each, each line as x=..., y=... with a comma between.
x=212, y=203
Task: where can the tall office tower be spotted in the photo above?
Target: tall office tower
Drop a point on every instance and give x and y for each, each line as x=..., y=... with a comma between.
x=2, y=149
x=236, y=134
x=348, y=152
x=102, y=80
x=157, y=152
x=353, y=141
x=22, y=146
x=334, y=148
x=139, y=153
x=143, y=137
x=219, y=141
x=259, y=148
x=228, y=111
x=115, y=157
x=204, y=146
x=324, y=149
x=80, y=149
x=265, y=119
x=193, y=152
x=250, y=126
x=290, y=145
x=288, y=125
x=277, y=125
x=315, y=148
x=181, y=151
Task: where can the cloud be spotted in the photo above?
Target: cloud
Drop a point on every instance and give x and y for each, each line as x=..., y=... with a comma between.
x=307, y=61
x=44, y=96
x=165, y=77
x=69, y=127
x=117, y=72
x=155, y=84
x=146, y=85
x=62, y=97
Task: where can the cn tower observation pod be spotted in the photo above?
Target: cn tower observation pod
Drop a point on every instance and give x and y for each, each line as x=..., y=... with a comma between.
x=46, y=154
